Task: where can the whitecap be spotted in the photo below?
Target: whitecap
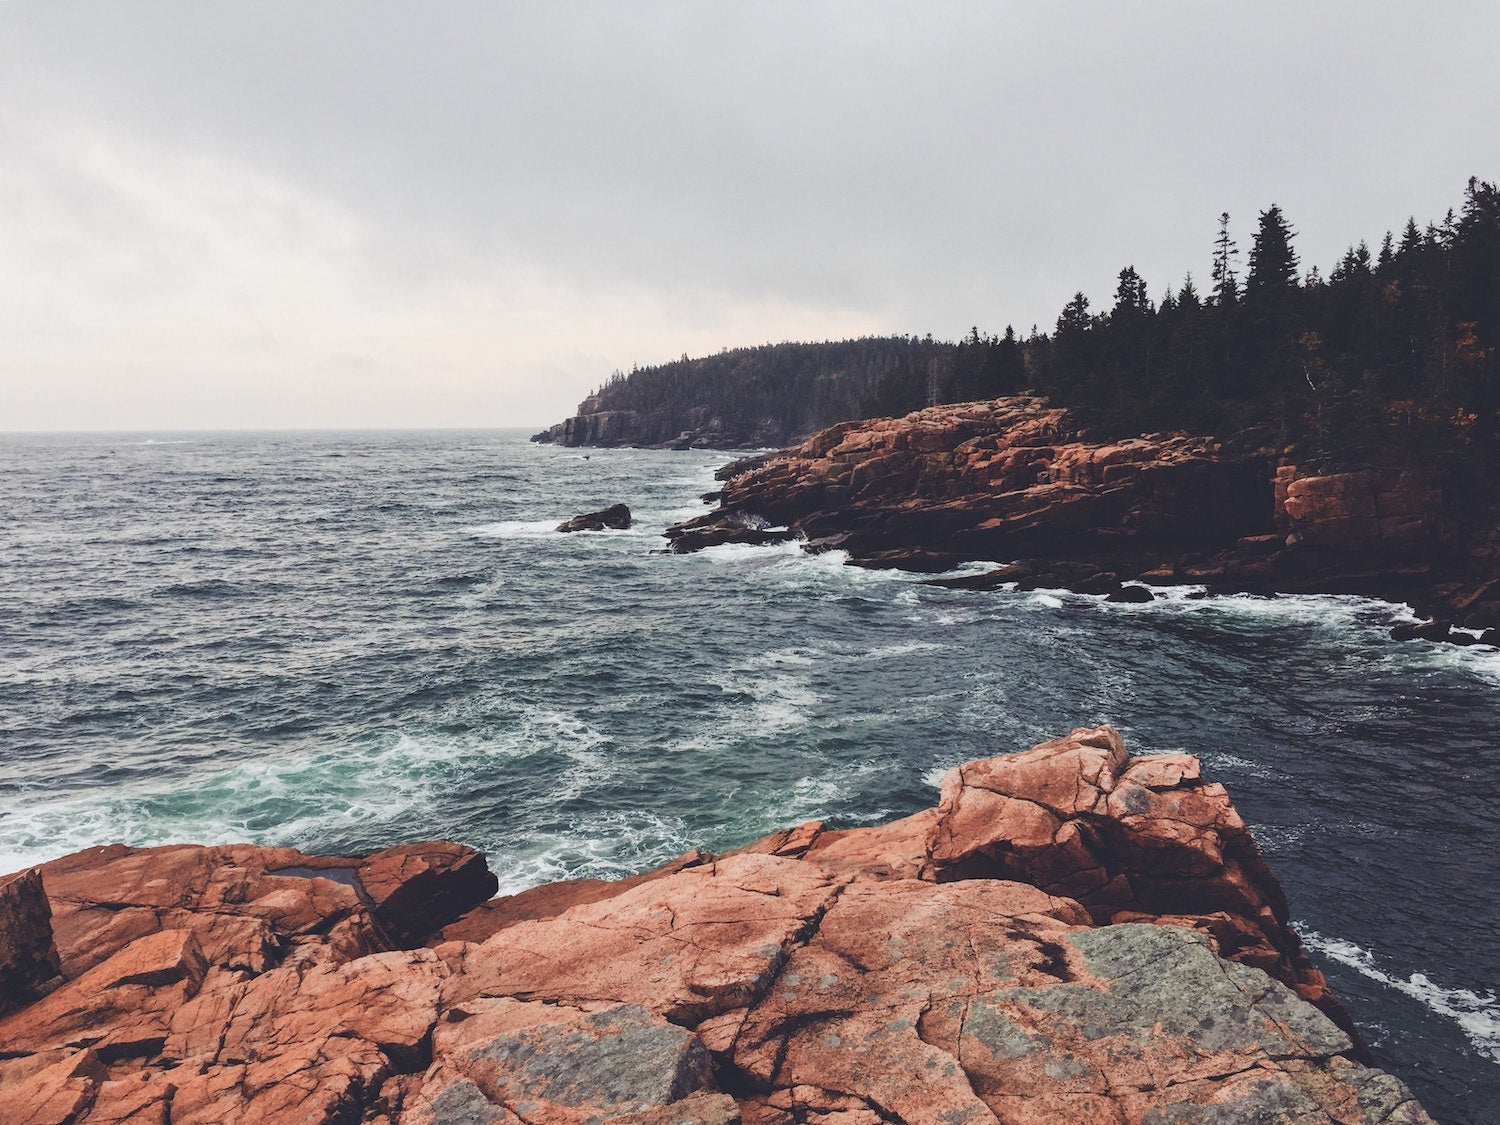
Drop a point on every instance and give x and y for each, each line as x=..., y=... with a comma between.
x=934, y=776
x=1477, y=1015
x=515, y=529
x=885, y=652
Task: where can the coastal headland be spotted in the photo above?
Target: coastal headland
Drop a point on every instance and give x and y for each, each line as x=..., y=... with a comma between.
x=1071, y=934
x=1015, y=480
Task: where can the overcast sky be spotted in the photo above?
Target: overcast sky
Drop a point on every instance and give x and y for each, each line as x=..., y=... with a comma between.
x=357, y=213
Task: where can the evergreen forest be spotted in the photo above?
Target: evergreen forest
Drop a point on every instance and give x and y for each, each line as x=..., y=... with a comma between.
x=1391, y=357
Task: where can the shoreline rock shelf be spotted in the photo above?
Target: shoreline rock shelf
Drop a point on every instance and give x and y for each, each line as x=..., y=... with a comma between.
x=1072, y=934
x=1013, y=479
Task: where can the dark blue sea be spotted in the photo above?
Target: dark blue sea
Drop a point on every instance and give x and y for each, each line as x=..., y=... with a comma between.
x=339, y=641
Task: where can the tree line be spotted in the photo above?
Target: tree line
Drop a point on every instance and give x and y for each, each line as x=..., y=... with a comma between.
x=1391, y=358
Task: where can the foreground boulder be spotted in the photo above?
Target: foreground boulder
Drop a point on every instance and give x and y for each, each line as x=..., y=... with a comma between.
x=1072, y=934
x=616, y=516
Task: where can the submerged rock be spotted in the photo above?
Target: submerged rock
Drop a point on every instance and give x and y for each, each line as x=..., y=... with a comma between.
x=616, y=516
x=1072, y=934
x=1422, y=631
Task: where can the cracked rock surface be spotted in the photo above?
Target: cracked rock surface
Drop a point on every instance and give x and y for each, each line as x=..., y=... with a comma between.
x=1072, y=935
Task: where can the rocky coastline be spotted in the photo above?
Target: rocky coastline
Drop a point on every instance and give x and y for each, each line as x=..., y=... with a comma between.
x=1071, y=934
x=1015, y=480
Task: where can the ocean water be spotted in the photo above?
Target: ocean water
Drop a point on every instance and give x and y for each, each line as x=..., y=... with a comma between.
x=340, y=641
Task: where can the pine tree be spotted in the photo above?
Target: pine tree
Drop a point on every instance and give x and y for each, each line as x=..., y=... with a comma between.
x=1273, y=262
x=1226, y=286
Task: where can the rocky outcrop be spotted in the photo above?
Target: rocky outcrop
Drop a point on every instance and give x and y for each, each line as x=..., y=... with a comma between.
x=1015, y=480
x=594, y=427
x=616, y=516
x=1072, y=934
x=1008, y=479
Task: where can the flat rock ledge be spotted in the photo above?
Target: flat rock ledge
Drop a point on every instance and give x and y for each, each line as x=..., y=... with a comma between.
x=1071, y=935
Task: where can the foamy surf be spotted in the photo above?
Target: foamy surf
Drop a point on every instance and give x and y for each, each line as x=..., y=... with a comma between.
x=1477, y=1016
x=516, y=529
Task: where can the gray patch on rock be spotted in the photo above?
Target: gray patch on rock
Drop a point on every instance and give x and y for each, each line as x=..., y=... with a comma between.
x=632, y=1062
x=1322, y=1036
x=1005, y=1038
x=1269, y=1099
x=461, y=1102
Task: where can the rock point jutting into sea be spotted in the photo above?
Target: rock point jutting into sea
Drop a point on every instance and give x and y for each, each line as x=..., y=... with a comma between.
x=1071, y=935
x=1016, y=479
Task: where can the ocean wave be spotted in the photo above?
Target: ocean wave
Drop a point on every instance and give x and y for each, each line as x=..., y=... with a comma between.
x=1477, y=1015
x=611, y=845
x=377, y=789
x=818, y=796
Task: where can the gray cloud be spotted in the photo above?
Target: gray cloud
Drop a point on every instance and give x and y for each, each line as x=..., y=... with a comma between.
x=376, y=213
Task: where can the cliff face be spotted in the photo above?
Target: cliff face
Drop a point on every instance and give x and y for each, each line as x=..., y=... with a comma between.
x=1070, y=935
x=687, y=428
x=1013, y=479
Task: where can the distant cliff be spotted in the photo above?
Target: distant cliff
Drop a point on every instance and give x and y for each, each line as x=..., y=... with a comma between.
x=775, y=394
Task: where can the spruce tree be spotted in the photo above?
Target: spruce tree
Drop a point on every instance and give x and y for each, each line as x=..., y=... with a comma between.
x=1273, y=262
x=1226, y=286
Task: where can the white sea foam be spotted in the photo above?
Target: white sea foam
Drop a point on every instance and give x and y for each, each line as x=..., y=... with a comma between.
x=886, y=652
x=934, y=776
x=361, y=789
x=1477, y=1015
x=812, y=797
x=575, y=739
x=610, y=845
x=515, y=529
x=781, y=704
x=1479, y=661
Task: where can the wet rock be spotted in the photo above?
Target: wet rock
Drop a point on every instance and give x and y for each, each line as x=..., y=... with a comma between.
x=1132, y=595
x=989, y=580
x=616, y=516
x=1016, y=478
x=1422, y=631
